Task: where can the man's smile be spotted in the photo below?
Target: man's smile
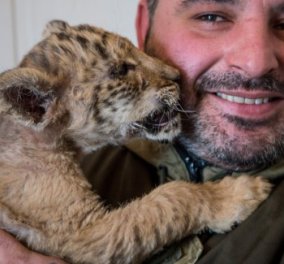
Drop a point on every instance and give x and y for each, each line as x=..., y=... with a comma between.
x=244, y=100
x=254, y=105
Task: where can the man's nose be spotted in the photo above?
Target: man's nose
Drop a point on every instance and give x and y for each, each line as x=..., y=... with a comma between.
x=254, y=52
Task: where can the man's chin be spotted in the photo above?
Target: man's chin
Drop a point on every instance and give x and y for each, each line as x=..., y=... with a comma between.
x=234, y=154
x=243, y=160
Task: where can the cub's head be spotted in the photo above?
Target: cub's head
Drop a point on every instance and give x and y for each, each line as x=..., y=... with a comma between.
x=96, y=84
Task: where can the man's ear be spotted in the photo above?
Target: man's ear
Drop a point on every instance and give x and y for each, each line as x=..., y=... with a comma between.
x=142, y=23
x=28, y=95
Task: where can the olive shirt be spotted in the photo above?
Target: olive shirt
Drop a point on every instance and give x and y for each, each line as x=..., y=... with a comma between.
x=120, y=174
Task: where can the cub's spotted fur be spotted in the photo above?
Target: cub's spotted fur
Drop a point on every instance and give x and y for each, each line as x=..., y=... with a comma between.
x=78, y=89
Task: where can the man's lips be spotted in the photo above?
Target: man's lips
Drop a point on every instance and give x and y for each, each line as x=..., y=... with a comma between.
x=253, y=105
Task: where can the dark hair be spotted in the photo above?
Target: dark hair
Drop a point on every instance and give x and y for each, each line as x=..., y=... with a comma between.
x=152, y=4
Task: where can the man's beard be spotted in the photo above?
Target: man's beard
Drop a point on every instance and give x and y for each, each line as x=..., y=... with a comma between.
x=206, y=139
x=213, y=143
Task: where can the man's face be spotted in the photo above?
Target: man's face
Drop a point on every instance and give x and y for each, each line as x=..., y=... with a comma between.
x=231, y=56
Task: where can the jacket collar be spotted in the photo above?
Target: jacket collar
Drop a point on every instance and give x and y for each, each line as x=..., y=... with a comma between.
x=172, y=164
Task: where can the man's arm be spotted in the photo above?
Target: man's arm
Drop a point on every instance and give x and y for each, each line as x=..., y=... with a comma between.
x=13, y=252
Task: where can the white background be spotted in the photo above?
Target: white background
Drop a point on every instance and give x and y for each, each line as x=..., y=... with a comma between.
x=22, y=21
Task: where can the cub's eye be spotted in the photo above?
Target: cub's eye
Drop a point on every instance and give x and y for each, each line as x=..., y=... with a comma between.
x=121, y=70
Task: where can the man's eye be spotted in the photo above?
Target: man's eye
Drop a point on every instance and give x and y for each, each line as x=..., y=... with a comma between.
x=279, y=26
x=213, y=18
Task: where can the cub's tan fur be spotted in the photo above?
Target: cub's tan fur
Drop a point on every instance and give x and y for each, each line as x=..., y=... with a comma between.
x=78, y=89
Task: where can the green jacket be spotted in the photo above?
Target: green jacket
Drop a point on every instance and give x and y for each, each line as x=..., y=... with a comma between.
x=120, y=174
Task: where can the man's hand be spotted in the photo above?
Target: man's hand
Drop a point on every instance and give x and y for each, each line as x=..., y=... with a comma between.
x=13, y=252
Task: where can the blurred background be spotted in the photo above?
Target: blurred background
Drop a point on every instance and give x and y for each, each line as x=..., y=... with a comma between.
x=22, y=21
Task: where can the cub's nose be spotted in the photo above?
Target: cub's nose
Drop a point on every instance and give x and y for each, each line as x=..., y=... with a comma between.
x=170, y=73
x=158, y=67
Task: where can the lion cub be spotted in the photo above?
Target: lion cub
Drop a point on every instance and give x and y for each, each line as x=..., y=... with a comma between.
x=78, y=89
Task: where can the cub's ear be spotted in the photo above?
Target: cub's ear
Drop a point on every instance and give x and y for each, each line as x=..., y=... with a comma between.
x=56, y=26
x=28, y=96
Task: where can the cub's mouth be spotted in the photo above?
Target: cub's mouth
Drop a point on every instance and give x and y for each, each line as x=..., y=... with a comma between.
x=158, y=120
x=162, y=124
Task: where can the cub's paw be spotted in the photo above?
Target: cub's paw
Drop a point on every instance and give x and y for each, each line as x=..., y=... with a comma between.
x=235, y=199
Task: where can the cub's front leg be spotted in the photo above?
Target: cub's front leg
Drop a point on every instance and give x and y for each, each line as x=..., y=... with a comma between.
x=170, y=212
x=85, y=232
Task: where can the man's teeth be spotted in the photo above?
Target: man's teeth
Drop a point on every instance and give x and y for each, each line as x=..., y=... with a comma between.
x=243, y=100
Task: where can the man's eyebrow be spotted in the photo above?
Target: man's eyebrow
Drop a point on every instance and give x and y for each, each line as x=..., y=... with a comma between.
x=186, y=3
x=279, y=8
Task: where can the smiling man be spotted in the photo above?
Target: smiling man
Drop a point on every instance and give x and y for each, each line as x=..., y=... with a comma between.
x=230, y=53
x=231, y=57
